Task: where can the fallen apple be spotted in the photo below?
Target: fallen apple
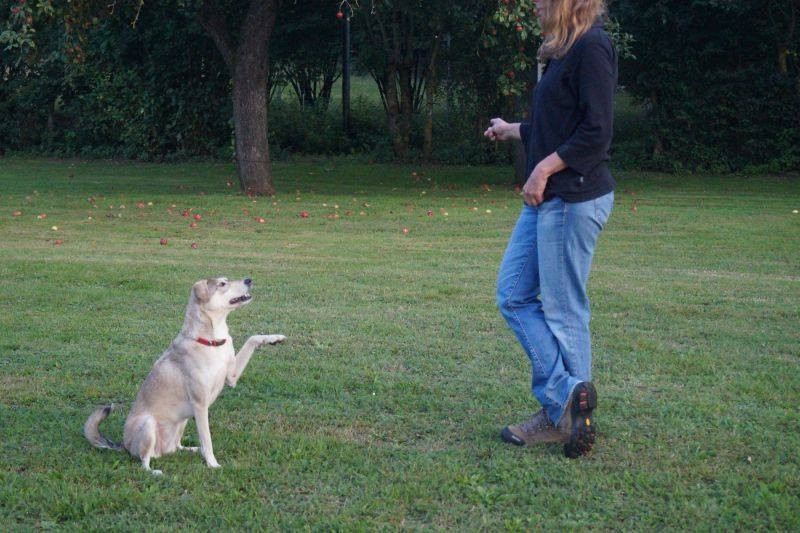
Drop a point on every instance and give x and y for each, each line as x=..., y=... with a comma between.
x=194, y=246
x=163, y=242
x=304, y=214
x=193, y=225
x=198, y=216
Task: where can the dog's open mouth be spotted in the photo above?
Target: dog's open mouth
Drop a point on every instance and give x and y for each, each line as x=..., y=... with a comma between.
x=240, y=299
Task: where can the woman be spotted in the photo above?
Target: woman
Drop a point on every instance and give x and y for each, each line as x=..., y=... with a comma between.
x=541, y=286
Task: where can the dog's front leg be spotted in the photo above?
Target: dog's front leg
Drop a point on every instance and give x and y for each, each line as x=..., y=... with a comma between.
x=204, y=432
x=244, y=355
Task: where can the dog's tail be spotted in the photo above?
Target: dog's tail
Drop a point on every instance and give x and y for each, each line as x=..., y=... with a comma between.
x=92, y=433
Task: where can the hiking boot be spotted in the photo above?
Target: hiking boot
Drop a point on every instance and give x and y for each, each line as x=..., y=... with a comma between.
x=576, y=425
x=537, y=430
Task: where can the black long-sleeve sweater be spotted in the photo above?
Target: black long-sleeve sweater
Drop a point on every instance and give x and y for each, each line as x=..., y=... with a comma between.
x=572, y=114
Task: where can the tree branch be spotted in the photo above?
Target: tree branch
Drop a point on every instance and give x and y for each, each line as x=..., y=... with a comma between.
x=212, y=20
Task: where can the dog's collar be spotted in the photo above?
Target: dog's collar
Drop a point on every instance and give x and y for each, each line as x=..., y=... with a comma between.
x=207, y=342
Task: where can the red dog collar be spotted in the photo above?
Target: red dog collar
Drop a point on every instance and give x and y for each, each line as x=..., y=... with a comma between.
x=207, y=342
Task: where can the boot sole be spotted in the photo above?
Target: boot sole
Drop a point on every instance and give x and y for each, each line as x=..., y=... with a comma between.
x=582, y=436
x=510, y=438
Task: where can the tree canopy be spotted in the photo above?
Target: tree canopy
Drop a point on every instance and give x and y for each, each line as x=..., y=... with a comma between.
x=718, y=79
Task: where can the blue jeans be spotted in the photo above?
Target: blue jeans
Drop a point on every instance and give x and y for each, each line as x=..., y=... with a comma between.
x=541, y=292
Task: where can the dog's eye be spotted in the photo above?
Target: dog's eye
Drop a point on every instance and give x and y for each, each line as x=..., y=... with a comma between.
x=222, y=284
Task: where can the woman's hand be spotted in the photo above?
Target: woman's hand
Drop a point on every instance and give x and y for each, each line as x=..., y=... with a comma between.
x=500, y=130
x=533, y=191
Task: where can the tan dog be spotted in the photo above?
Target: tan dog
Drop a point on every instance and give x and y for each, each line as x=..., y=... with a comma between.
x=187, y=379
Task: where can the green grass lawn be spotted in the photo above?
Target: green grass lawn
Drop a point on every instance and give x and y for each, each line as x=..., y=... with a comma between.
x=384, y=407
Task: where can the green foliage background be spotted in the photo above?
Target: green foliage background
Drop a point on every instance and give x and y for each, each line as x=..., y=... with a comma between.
x=708, y=72
x=704, y=75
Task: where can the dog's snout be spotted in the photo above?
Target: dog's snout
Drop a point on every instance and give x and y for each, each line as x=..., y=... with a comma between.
x=248, y=281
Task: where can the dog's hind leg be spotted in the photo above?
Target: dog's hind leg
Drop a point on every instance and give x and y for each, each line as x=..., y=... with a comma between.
x=145, y=442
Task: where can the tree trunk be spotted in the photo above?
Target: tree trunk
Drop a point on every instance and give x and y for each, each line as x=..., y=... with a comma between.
x=249, y=67
x=327, y=87
x=783, y=59
x=250, y=127
x=394, y=114
x=406, y=107
x=430, y=93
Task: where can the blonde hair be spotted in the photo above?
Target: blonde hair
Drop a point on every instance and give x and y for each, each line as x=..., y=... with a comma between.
x=564, y=22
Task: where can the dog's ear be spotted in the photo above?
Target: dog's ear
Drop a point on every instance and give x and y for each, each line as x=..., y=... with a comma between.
x=200, y=291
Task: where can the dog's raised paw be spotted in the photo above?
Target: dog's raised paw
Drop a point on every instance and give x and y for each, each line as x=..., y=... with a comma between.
x=276, y=339
x=270, y=339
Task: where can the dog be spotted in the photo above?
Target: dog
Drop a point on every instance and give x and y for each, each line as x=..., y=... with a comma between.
x=187, y=378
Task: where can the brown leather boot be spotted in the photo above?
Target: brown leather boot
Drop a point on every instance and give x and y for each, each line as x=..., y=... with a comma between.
x=537, y=430
x=576, y=425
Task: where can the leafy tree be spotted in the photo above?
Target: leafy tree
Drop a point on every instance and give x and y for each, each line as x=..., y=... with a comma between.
x=244, y=45
x=306, y=50
x=240, y=30
x=92, y=85
x=408, y=42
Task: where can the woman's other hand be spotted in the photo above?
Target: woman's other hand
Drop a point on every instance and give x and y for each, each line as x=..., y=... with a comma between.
x=500, y=130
